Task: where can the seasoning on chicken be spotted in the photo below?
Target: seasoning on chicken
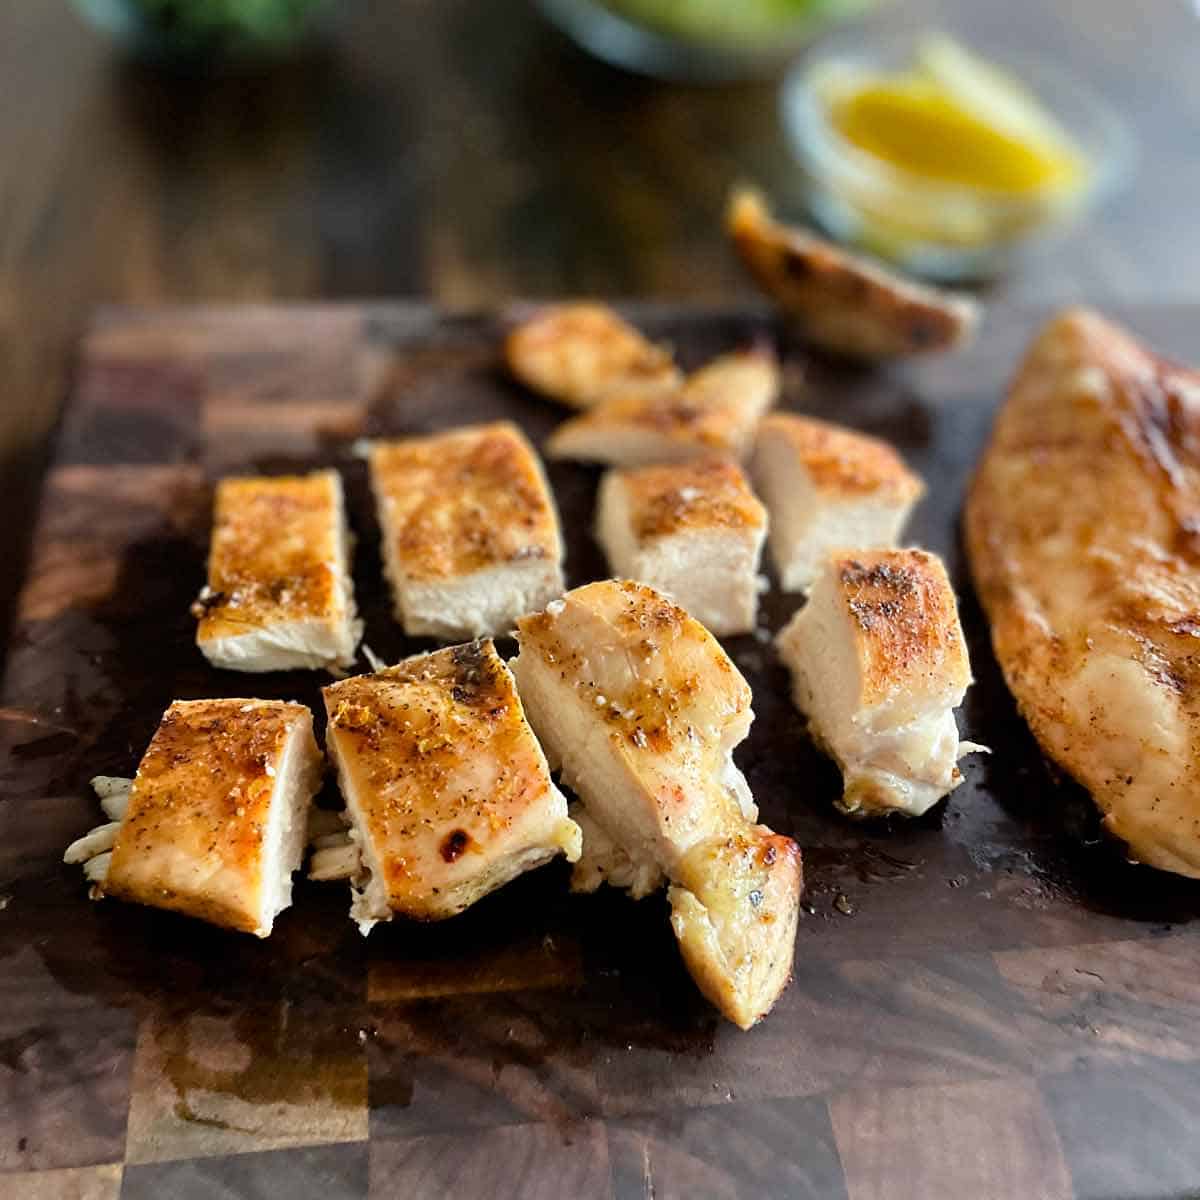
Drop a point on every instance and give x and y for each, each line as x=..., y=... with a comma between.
x=580, y=352
x=470, y=534
x=1083, y=530
x=447, y=791
x=825, y=488
x=714, y=411
x=279, y=594
x=691, y=530
x=213, y=823
x=841, y=301
x=879, y=664
x=642, y=709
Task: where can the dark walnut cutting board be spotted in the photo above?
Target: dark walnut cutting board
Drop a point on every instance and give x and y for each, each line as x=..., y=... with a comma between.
x=988, y=1002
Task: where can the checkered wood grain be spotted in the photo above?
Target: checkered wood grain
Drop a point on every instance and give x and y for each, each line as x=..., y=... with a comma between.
x=988, y=1002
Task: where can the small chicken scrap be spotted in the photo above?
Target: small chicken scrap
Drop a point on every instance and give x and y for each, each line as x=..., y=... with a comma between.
x=879, y=663
x=840, y=301
x=693, y=531
x=213, y=824
x=470, y=533
x=641, y=708
x=279, y=594
x=714, y=411
x=448, y=795
x=827, y=487
x=581, y=352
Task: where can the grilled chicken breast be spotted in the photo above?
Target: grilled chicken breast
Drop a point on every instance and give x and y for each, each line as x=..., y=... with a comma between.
x=279, y=594
x=879, y=664
x=580, y=352
x=642, y=708
x=713, y=412
x=827, y=487
x=213, y=823
x=839, y=300
x=470, y=533
x=447, y=791
x=1081, y=525
x=691, y=530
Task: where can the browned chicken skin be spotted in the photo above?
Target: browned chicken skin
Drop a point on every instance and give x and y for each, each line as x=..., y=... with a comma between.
x=1081, y=525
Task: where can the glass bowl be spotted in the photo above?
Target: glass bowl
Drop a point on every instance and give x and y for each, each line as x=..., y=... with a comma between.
x=671, y=49
x=947, y=231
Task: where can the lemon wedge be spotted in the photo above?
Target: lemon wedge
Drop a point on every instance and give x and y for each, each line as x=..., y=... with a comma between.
x=956, y=119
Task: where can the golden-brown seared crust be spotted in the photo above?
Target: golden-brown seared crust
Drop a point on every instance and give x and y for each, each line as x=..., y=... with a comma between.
x=691, y=497
x=841, y=301
x=581, y=352
x=463, y=501
x=193, y=834
x=905, y=620
x=843, y=462
x=274, y=557
x=446, y=771
x=1081, y=526
x=684, y=672
x=714, y=412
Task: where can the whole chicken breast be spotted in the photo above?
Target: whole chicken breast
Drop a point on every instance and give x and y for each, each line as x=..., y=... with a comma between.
x=580, y=352
x=642, y=708
x=842, y=301
x=447, y=791
x=213, y=824
x=714, y=412
x=1082, y=528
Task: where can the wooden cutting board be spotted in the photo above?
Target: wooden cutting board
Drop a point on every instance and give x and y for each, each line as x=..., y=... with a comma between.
x=988, y=1002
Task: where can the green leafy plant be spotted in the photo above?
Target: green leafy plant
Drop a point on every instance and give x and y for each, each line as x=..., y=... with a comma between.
x=227, y=22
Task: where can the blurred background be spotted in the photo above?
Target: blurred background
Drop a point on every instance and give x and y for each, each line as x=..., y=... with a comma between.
x=468, y=151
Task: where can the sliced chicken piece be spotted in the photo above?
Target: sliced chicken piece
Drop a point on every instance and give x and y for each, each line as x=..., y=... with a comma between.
x=734, y=912
x=840, y=301
x=447, y=791
x=279, y=594
x=642, y=708
x=713, y=412
x=691, y=530
x=827, y=487
x=1083, y=529
x=879, y=664
x=213, y=823
x=581, y=352
x=471, y=538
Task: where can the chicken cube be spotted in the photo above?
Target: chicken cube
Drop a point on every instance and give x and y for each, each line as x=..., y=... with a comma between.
x=714, y=412
x=580, y=352
x=213, y=823
x=447, y=791
x=642, y=708
x=279, y=594
x=826, y=487
x=879, y=663
x=691, y=530
x=470, y=533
